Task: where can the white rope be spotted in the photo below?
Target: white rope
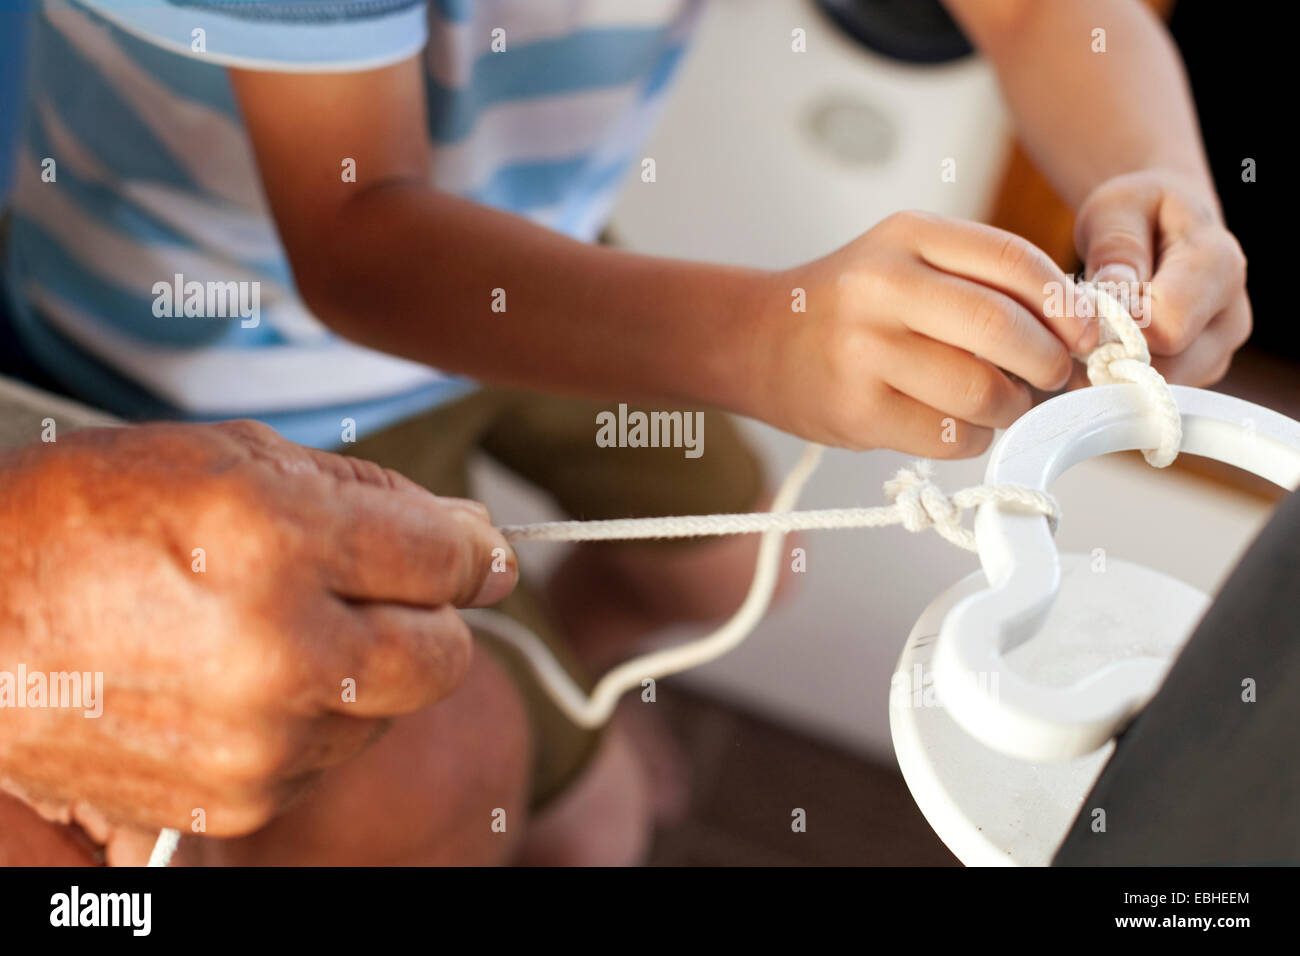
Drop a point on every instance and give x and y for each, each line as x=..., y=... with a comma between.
x=1123, y=356
x=164, y=847
x=916, y=504
x=593, y=710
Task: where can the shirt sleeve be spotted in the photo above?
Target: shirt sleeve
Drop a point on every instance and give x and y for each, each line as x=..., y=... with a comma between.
x=305, y=36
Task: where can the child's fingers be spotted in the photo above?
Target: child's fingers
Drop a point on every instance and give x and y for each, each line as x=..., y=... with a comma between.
x=988, y=323
x=1117, y=229
x=1207, y=359
x=1199, y=277
x=1008, y=263
x=955, y=382
x=915, y=428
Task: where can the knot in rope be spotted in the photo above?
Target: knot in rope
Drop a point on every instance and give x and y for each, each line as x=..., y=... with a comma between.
x=920, y=504
x=1123, y=356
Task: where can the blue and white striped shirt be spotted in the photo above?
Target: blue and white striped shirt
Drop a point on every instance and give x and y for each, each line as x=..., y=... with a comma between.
x=154, y=177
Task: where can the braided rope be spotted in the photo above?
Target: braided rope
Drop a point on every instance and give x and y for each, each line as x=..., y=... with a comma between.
x=1123, y=356
x=918, y=504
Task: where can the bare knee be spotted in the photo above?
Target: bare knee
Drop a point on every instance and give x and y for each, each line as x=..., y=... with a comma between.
x=603, y=819
x=477, y=756
x=446, y=785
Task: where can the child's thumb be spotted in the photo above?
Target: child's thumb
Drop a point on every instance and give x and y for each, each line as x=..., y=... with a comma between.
x=1117, y=244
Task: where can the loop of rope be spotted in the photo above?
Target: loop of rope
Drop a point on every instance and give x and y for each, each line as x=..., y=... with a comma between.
x=917, y=503
x=1123, y=356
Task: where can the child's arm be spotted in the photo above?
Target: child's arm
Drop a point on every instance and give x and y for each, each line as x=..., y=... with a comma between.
x=1116, y=133
x=882, y=356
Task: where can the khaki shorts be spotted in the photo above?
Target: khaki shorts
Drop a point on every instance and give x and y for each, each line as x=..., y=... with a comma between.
x=551, y=442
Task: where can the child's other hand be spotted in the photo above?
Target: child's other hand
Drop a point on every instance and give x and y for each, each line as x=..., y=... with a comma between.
x=1156, y=222
x=908, y=337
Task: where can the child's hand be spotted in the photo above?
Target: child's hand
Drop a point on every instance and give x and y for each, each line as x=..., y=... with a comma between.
x=1134, y=225
x=908, y=336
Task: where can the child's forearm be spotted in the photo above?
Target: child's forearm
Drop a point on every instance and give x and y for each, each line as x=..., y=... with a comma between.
x=416, y=273
x=1087, y=115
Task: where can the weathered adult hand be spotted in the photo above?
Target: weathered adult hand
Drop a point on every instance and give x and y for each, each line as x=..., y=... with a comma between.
x=256, y=610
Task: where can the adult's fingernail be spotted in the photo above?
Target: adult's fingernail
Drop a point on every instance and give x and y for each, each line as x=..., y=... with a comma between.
x=467, y=506
x=503, y=572
x=503, y=565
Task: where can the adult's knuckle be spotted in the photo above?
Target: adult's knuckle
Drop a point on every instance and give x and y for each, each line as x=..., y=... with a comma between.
x=453, y=562
x=237, y=500
x=371, y=473
x=247, y=428
x=249, y=759
x=388, y=656
x=275, y=661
